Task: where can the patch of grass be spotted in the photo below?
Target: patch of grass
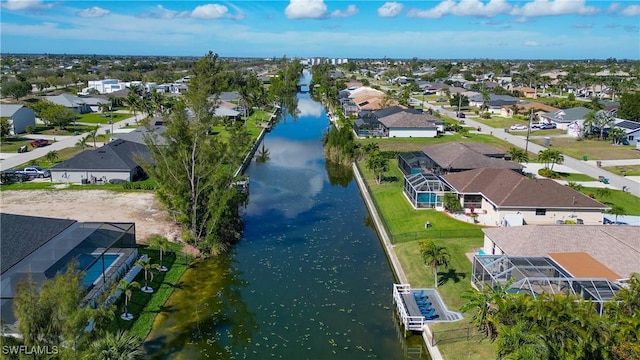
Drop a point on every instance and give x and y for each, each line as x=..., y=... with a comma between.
x=499, y=122
x=593, y=149
x=145, y=306
x=66, y=131
x=575, y=177
x=629, y=202
x=12, y=144
x=629, y=170
x=102, y=118
x=63, y=154
x=416, y=144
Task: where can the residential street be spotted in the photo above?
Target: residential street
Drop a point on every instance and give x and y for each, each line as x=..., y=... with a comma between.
x=585, y=167
x=12, y=160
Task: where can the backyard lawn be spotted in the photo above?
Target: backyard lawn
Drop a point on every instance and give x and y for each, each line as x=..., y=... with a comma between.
x=12, y=144
x=416, y=144
x=630, y=203
x=102, y=118
x=629, y=170
x=593, y=149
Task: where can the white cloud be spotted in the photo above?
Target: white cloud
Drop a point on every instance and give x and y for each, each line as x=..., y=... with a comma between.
x=530, y=43
x=463, y=8
x=631, y=10
x=390, y=9
x=613, y=7
x=306, y=9
x=209, y=11
x=554, y=7
x=93, y=12
x=25, y=5
x=160, y=12
x=350, y=11
x=583, y=26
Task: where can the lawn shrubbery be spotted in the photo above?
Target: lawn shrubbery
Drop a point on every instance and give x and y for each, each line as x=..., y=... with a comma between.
x=548, y=173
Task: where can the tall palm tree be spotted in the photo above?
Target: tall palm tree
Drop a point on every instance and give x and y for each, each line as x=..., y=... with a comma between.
x=148, y=268
x=116, y=346
x=162, y=244
x=93, y=134
x=133, y=103
x=488, y=303
x=127, y=289
x=434, y=256
x=617, y=210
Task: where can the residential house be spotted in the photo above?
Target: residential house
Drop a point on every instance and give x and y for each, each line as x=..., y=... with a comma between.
x=116, y=160
x=456, y=156
x=565, y=117
x=495, y=102
x=631, y=130
x=37, y=248
x=18, y=116
x=399, y=122
x=499, y=194
x=81, y=105
x=588, y=251
x=539, y=109
x=526, y=92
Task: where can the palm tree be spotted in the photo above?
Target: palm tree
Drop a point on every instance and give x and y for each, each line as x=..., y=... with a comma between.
x=378, y=164
x=488, y=303
x=486, y=97
x=162, y=244
x=520, y=342
x=127, y=289
x=550, y=157
x=133, y=103
x=118, y=346
x=588, y=124
x=93, y=134
x=83, y=142
x=51, y=156
x=518, y=155
x=617, y=210
x=616, y=135
x=434, y=256
x=514, y=110
x=147, y=266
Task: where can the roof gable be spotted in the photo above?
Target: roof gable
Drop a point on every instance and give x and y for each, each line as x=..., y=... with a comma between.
x=115, y=155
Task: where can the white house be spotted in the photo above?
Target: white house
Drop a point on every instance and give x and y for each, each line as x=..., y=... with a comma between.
x=18, y=116
x=105, y=86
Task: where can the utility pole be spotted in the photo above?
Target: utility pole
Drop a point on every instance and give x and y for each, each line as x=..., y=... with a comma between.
x=526, y=146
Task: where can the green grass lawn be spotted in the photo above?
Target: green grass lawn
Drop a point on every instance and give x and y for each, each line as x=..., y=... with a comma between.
x=593, y=149
x=13, y=143
x=630, y=203
x=416, y=144
x=66, y=131
x=575, y=177
x=629, y=170
x=144, y=307
x=102, y=118
x=500, y=122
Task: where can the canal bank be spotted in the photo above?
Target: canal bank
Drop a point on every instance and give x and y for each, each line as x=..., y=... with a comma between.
x=391, y=254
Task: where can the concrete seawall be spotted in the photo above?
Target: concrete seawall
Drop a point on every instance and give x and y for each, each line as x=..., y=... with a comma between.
x=391, y=253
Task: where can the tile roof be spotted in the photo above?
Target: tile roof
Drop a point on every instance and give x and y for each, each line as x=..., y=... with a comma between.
x=616, y=247
x=506, y=188
x=464, y=156
x=115, y=155
x=21, y=235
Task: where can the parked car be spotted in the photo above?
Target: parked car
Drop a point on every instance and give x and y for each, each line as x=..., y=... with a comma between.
x=441, y=100
x=548, y=126
x=518, y=127
x=12, y=176
x=39, y=143
x=35, y=172
x=460, y=115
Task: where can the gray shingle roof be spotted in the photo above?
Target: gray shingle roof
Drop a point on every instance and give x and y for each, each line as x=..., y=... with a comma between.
x=116, y=155
x=21, y=235
x=466, y=156
x=567, y=115
x=138, y=135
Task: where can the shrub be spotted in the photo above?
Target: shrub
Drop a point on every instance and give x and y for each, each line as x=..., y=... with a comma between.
x=548, y=173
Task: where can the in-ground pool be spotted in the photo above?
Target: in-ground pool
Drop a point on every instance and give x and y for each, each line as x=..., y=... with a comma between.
x=95, y=271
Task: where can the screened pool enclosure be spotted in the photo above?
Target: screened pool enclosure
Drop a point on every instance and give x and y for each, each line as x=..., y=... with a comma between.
x=424, y=190
x=538, y=275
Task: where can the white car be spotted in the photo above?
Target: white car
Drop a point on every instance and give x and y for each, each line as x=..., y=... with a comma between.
x=518, y=127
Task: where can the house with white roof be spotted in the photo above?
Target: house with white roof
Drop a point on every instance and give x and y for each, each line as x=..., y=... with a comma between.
x=18, y=116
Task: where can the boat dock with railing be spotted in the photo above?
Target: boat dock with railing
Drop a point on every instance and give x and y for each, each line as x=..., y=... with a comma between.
x=418, y=307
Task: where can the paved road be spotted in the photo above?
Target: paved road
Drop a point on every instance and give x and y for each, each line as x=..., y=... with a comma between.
x=584, y=167
x=61, y=143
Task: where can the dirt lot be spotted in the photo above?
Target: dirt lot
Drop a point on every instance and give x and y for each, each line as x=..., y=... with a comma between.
x=92, y=205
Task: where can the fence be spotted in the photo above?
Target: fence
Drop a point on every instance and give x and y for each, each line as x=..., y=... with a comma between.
x=455, y=335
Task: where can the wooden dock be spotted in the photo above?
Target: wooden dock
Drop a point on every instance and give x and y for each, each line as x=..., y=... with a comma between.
x=412, y=319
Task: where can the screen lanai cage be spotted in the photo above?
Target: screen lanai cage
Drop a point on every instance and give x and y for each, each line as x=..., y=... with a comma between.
x=538, y=275
x=100, y=251
x=425, y=190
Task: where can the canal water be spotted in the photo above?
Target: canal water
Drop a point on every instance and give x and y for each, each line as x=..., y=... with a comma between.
x=309, y=279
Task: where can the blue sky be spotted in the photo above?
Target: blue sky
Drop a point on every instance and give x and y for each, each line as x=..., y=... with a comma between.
x=505, y=29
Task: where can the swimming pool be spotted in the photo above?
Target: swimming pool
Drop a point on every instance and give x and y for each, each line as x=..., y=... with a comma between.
x=93, y=273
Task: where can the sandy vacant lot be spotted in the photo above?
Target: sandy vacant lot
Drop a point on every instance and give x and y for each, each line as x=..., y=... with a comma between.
x=92, y=205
